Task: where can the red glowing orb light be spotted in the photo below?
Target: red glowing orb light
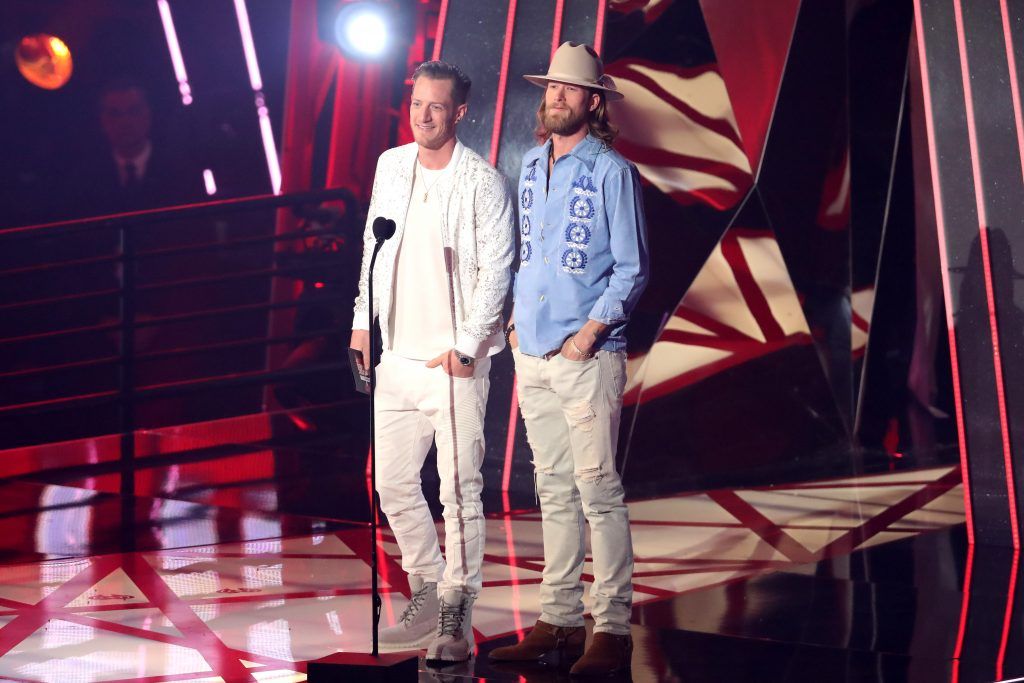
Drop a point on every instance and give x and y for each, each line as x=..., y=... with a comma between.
x=44, y=60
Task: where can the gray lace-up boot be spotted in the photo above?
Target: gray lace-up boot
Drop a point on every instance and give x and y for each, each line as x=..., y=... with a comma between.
x=454, y=639
x=415, y=628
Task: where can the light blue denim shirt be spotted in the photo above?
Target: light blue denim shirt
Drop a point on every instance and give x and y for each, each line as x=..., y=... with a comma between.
x=584, y=245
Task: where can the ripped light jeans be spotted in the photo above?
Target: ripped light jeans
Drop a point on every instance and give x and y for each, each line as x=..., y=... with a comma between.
x=572, y=410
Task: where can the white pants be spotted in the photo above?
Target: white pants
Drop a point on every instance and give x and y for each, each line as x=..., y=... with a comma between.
x=414, y=406
x=572, y=410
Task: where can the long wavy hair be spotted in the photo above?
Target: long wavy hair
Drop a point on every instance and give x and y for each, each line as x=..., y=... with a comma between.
x=597, y=121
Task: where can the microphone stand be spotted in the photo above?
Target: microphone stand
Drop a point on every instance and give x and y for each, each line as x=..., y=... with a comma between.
x=350, y=666
x=374, y=501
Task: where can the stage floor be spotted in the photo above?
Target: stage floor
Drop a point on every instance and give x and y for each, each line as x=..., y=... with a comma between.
x=856, y=579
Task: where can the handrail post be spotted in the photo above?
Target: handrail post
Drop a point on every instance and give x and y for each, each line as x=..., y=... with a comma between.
x=127, y=387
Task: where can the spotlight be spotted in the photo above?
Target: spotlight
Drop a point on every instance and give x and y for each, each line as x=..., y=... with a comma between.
x=363, y=30
x=44, y=61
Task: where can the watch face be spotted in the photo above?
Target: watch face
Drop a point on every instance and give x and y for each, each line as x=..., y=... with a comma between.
x=466, y=360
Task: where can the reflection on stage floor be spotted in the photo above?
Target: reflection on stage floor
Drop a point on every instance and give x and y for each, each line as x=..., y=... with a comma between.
x=856, y=579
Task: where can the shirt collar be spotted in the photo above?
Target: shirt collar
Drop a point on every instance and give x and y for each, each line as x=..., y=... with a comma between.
x=456, y=155
x=140, y=160
x=452, y=165
x=586, y=150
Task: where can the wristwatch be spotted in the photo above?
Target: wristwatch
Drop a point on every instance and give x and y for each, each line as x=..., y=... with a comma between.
x=464, y=360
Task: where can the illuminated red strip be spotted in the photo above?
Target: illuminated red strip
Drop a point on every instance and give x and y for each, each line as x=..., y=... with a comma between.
x=163, y=212
x=556, y=29
x=510, y=442
x=439, y=38
x=997, y=362
x=940, y=224
x=513, y=570
x=510, y=24
x=369, y=481
x=375, y=511
x=385, y=570
x=1008, y=617
x=599, y=28
x=1011, y=61
x=964, y=604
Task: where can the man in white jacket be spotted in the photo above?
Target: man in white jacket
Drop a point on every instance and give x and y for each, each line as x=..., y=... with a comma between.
x=439, y=287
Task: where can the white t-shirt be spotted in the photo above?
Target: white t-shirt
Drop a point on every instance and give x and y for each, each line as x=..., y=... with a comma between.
x=421, y=310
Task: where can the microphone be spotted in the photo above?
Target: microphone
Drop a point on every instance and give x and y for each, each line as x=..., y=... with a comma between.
x=383, y=228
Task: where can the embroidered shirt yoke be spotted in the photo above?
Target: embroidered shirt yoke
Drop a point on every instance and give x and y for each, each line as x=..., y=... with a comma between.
x=583, y=242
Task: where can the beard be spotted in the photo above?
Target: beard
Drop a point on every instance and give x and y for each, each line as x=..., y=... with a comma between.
x=564, y=122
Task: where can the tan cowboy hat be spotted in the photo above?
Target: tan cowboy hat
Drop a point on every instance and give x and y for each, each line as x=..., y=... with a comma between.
x=577, y=64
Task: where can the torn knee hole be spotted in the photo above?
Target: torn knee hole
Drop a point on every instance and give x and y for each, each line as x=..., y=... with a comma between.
x=581, y=416
x=542, y=470
x=589, y=475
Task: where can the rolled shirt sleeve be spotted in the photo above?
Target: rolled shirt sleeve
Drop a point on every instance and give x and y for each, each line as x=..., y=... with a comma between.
x=627, y=228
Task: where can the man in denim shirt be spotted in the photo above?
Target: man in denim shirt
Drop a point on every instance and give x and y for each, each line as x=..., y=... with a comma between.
x=583, y=265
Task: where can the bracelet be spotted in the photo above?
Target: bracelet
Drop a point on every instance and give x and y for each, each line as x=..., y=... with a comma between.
x=508, y=333
x=583, y=356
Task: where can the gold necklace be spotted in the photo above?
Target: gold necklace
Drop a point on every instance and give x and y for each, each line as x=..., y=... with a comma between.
x=423, y=180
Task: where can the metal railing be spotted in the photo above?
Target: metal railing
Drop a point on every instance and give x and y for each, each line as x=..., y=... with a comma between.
x=77, y=297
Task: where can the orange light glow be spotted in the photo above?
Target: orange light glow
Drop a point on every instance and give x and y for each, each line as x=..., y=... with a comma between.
x=44, y=61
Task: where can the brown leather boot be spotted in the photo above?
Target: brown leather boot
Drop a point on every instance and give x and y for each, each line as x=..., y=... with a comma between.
x=545, y=642
x=608, y=654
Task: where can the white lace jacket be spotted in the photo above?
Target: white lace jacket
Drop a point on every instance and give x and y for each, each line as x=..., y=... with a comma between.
x=477, y=222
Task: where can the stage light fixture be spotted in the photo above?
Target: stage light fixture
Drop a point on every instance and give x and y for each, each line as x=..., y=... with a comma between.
x=256, y=81
x=44, y=61
x=177, y=61
x=363, y=30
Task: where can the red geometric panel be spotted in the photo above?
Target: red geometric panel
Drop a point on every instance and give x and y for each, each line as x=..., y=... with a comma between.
x=677, y=125
x=739, y=308
x=751, y=41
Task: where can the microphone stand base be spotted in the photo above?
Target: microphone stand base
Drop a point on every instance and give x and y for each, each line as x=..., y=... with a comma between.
x=389, y=667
